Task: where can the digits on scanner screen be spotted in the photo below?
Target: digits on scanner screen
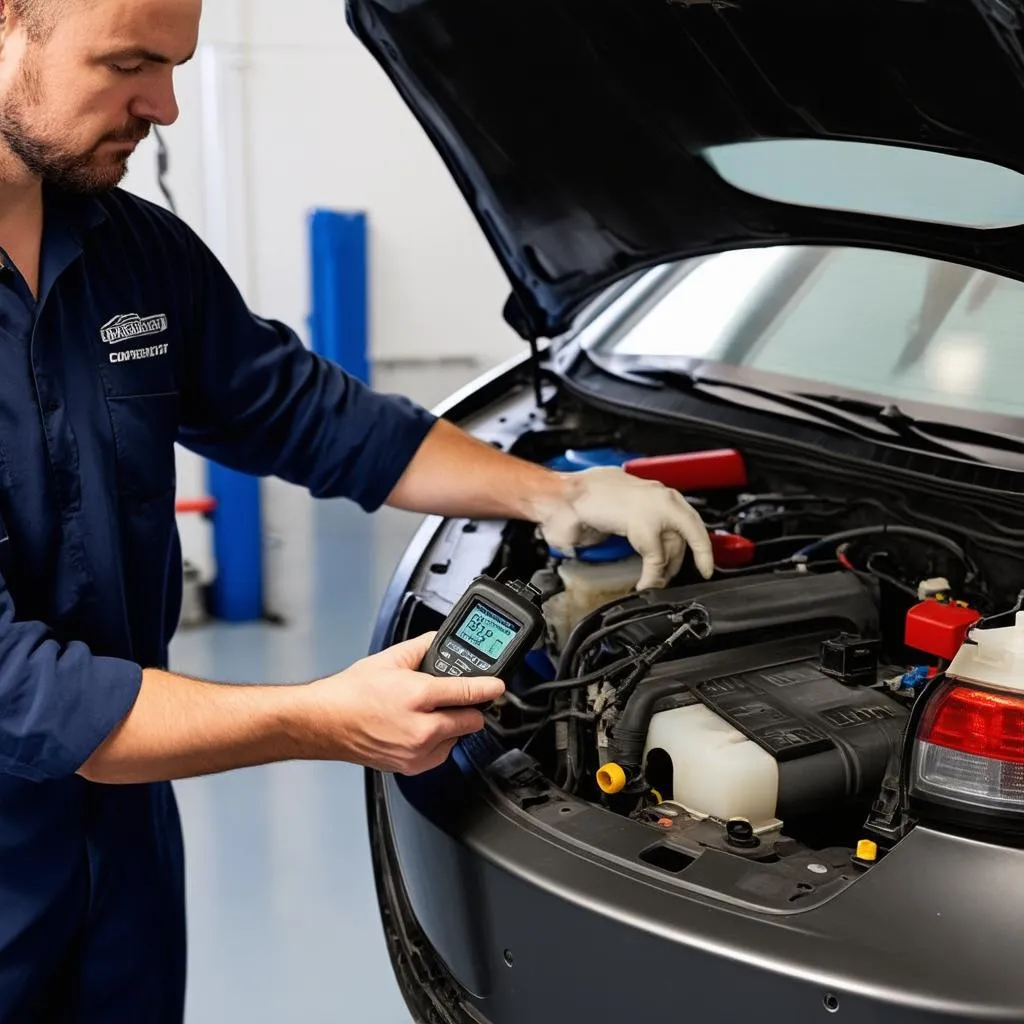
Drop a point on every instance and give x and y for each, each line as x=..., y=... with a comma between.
x=488, y=632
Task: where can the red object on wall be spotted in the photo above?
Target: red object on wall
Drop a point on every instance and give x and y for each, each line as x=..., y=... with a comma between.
x=720, y=469
x=204, y=506
x=939, y=629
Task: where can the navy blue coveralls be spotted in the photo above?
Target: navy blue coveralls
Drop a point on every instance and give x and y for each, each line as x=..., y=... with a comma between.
x=138, y=339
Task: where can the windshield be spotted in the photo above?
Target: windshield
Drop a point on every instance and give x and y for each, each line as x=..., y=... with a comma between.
x=898, y=326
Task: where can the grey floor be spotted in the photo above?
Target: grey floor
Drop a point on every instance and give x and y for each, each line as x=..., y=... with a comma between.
x=283, y=924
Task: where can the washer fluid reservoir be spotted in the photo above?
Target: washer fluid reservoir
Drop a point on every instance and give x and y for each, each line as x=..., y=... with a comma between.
x=588, y=585
x=715, y=769
x=592, y=575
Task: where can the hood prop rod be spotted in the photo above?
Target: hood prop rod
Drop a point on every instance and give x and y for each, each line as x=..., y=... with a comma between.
x=535, y=373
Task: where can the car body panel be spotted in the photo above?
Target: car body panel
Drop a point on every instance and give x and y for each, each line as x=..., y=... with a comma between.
x=923, y=937
x=579, y=131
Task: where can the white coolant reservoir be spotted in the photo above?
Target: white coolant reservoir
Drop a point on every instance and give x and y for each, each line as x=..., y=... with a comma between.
x=588, y=585
x=716, y=770
x=996, y=658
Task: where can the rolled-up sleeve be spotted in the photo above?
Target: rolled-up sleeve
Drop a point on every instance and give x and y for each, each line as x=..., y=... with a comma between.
x=257, y=400
x=59, y=701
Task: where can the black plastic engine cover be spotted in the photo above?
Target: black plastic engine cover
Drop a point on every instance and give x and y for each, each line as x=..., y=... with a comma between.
x=749, y=609
x=760, y=670
x=832, y=742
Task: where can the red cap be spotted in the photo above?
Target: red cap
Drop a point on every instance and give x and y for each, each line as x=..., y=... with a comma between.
x=939, y=629
x=732, y=551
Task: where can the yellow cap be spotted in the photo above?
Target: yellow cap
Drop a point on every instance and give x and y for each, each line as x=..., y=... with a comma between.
x=611, y=778
x=867, y=850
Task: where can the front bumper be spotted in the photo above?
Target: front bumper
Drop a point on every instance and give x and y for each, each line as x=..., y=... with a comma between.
x=498, y=925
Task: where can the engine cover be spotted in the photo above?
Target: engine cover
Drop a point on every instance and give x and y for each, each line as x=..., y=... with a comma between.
x=747, y=609
x=818, y=741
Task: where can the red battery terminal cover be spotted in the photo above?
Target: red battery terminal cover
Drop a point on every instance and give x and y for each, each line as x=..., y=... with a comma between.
x=732, y=551
x=939, y=628
x=715, y=470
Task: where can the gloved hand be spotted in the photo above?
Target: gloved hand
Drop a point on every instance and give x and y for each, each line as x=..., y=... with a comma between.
x=657, y=521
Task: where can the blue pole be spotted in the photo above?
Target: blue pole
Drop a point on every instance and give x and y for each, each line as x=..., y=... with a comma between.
x=339, y=321
x=237, y=590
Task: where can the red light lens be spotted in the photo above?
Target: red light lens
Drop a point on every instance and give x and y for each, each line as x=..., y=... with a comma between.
x=977, y=722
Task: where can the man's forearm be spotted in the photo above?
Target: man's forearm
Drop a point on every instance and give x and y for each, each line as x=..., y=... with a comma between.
x=180, y=728
x=454, y=474
x=379, y=712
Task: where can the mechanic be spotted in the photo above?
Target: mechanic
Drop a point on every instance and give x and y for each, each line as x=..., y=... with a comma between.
x=123, y=334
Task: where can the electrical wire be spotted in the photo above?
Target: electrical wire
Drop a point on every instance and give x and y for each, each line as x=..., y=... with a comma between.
x=596, y=637
x=522, y=730
x=598, y=676
x=638, y=663
x=885, y=577
x=985, y=623
x=886, y=531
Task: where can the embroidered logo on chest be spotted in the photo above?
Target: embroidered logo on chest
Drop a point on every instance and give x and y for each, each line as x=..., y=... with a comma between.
x=130, y=326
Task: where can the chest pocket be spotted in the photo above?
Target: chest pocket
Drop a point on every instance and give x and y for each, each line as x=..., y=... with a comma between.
x=137, y=357
x=145, y=428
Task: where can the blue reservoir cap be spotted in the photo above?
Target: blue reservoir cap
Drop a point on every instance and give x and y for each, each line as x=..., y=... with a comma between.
x=614, y=549
x=576, y=459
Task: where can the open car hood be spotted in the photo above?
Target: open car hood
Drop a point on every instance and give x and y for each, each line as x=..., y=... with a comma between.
x=593, y=138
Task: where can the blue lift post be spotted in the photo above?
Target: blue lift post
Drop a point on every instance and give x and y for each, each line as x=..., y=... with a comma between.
x=339, y=321
x=338, y=331
x=237, y=590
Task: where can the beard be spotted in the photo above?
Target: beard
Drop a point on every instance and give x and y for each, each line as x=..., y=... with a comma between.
x=51, y=158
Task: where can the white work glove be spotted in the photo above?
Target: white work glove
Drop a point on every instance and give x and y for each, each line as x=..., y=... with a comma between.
x=657, y=522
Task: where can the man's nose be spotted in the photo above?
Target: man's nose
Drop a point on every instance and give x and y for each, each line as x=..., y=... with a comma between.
x=157, y=105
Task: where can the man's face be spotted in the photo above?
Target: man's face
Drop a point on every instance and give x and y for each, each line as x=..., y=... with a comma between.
x=74, y=106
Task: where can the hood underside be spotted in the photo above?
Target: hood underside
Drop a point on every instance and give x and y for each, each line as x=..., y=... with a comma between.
x=579, y=131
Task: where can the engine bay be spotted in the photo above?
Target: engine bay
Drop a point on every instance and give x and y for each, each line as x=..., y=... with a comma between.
x=761, y=714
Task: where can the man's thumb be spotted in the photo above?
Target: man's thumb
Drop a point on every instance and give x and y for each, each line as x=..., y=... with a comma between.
x=409, y=653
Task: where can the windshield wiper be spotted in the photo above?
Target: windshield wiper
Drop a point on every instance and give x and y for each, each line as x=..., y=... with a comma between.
x=963, y=438
x=882, y=421
x=751, y=396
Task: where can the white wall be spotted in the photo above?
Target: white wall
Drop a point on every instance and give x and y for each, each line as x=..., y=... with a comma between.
x=308, y=120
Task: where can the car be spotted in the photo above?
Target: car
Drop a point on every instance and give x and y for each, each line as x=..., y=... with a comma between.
x=769, y=253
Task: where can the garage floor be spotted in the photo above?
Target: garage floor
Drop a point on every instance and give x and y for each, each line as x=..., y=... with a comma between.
x=283, y=920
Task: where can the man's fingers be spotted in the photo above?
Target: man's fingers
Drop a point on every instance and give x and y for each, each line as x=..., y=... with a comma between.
x=675, y=552
x=457, y=722
x=433, y=759
x=688, y=522
x=662, y=542
x=462, y=691
x=647, y=540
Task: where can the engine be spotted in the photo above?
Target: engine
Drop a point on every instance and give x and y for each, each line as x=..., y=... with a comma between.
x=773, y=715
x=765, y=705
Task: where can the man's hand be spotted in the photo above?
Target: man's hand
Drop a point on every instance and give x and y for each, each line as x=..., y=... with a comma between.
x=657, y=521
x=380, y=713
x=454, y=474
x=383, y=714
